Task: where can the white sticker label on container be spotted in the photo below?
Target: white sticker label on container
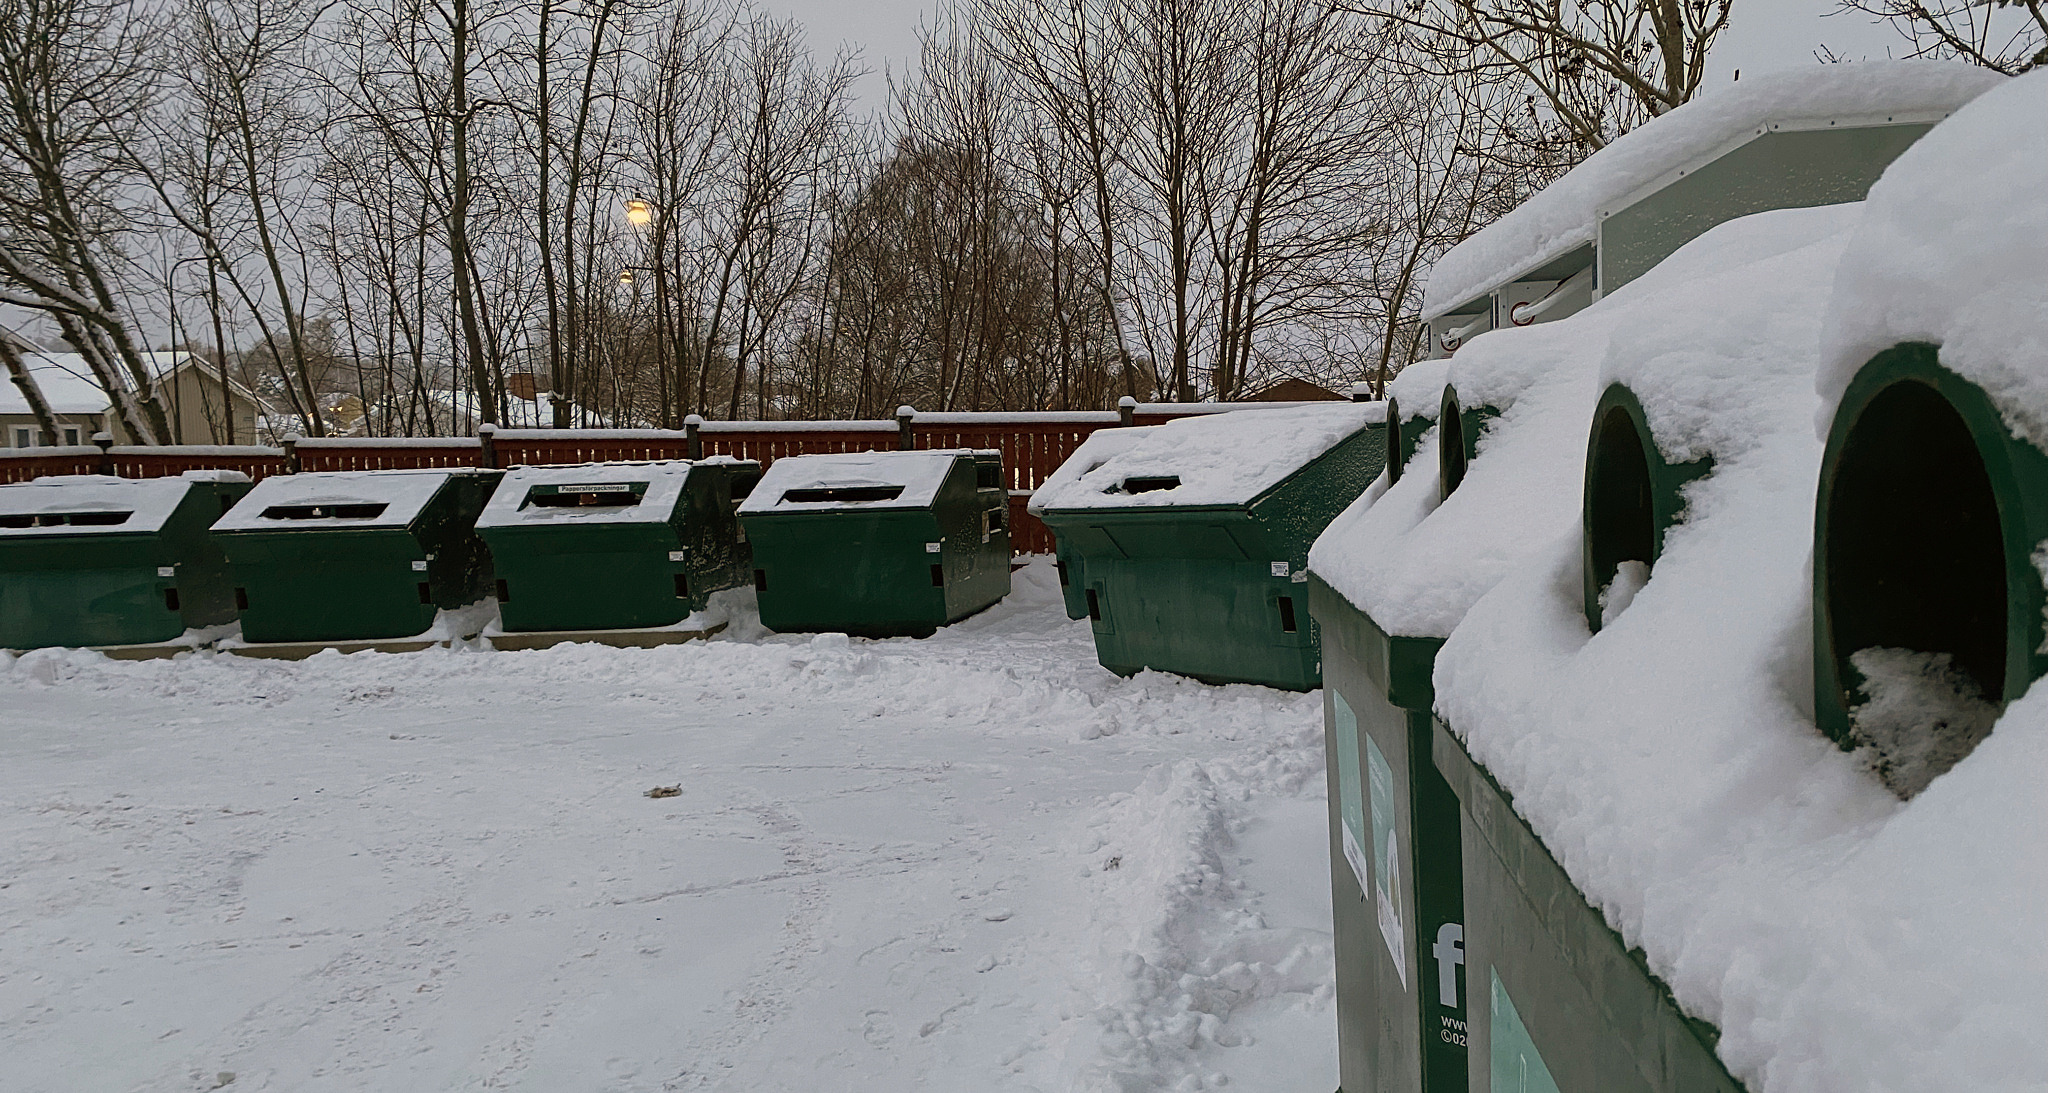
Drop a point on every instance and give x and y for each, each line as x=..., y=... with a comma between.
x=931, y=548
x=166, y=571
x=676, y=555
x=419, y=567
x=1280, y=569
x=595, y=487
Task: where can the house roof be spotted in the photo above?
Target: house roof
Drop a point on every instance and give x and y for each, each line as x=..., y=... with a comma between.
x=68, y=385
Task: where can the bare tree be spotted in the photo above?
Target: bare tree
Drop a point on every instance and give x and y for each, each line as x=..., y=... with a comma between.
x=2009, y=36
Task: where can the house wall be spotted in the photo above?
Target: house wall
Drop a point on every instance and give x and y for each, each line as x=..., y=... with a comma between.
x=12, y=424
x=193, y=404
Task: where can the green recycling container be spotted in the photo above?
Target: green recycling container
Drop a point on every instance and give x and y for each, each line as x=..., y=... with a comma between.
x=614, y=546
x=90, y=560
x=1069, y=560
x=879, y=544
x=1193, y=541
x=356, y=555
x=1927, y=519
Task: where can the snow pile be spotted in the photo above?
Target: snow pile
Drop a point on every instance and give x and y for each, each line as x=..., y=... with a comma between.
x=401, y=495
x=917, y=476
x=1563, y=215
x=147, y=501
x=1416, y=565
x=1093, y=452
x=1217, y=459
x=1954, y=251
x=976, y=861
x=1921, y=716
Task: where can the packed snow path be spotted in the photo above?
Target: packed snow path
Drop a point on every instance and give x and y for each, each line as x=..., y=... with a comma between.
x=977, y=861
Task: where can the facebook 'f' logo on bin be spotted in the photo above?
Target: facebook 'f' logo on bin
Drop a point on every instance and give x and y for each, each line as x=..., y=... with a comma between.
x=1449, y=951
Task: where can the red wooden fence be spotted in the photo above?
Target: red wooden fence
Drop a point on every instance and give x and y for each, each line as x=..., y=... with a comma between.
x=1033, y=446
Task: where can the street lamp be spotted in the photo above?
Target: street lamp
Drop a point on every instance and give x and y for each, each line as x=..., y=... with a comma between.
x=626, y=275
x=639, y=212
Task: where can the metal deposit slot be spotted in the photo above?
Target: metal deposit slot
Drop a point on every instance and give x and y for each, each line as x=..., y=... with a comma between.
x=1149, y=483
x=358, y=511
x=609, y=494
x=843, y=493
x=62, y=519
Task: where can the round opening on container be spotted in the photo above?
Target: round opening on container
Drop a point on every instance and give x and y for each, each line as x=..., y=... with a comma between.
x=1620, y=520
x=1916, y=585
x=1395, y=457
x=1450, y=446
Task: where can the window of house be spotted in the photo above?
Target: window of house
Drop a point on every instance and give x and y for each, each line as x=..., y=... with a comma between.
x=71, y=435
x=24, y=436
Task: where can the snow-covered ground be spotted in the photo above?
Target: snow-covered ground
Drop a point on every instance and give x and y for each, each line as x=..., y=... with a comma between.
x=973, y=862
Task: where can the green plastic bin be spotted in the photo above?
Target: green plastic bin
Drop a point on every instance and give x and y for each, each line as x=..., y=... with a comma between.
x=91, y=560
x=1070, y=562
x=1193, y=541
x=1926, y=523
x=879, y=544
x=1633, y=495
x=613, y=546
x=356, y=555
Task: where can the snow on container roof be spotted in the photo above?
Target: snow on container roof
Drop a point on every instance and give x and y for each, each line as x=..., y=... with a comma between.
x=1093, y=452
x=1416, y=565
x=1954, y=250
x=335, y=499
x=605, y=493
x=1563, y=216
x=864, y=480
x=1216, y=459
x=73, y=504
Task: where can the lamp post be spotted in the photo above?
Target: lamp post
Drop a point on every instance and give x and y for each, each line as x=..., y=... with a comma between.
x=642, y=214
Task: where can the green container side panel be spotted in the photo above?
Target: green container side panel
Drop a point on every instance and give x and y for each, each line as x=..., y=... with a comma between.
x=1926, y=520
x=1071, y=566
x=623, y=575
x=871, y=572
x=109, y=589
x=327, y=583
x=1213, y=592
x=1632, y=498
x=1781, y=170
x=1566, y=1002
x=1403, y=1018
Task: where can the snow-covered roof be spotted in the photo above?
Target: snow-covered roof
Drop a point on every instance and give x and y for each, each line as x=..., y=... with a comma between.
x=1954, y=250
x=147, y=501
x=610, y=487
x=395, y=496
x=1218, y=459
x=1093, y=452
x=1562, y=217
x=68, y=385
x=915, y=476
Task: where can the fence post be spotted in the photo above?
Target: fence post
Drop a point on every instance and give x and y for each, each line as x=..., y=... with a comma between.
x=1126, y=411
x=291, y=453
x=487, y=446
x=693, y=427
x=105, y=442
x=905, y=441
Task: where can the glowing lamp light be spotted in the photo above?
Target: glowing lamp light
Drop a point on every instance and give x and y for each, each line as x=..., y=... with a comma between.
x=639, y=213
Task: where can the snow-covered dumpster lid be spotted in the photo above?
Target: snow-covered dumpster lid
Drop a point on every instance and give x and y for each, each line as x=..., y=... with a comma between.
x=1093, y=452
x=592, y=493
x=1889, y=102
x=856, y=480
x=1214, y=460
x=337, y=499
x=84, y=504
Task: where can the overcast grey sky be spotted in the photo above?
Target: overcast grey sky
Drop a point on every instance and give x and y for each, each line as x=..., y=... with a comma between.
x=1763, y=34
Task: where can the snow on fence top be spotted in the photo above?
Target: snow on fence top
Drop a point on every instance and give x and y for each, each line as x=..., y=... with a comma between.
x=1213, y=459
x=1563, y=215
x=1954, y=250
x=867, y=480
x=73, y=504
x=1093, y=452
x=604, y=492
x=353, y=499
